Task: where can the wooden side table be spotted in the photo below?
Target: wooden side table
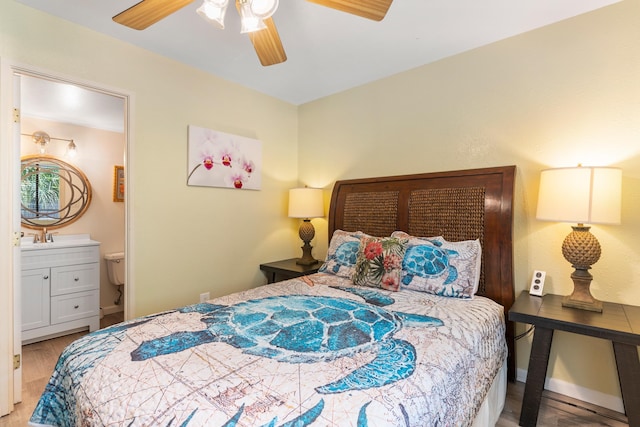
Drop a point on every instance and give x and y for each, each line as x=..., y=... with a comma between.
x=618, y=323
x=287, y=269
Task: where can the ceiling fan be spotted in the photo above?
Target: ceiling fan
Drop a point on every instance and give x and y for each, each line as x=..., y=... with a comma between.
x=255, y=17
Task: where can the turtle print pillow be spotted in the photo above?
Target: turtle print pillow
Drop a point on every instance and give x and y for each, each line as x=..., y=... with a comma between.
x=342, y=253
x=436, y=266
x=379, y=263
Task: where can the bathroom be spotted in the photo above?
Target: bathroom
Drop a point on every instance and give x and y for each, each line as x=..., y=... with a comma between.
x=95, y=122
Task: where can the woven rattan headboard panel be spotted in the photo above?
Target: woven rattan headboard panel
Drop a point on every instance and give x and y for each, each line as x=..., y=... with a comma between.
x=459, y=205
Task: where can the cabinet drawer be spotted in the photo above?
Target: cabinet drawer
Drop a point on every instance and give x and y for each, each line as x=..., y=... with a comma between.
x=65, y=308
x=75, y=278
x=54, y=257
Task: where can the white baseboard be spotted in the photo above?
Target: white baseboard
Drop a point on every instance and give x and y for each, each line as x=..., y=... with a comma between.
x=112, y=309
x=586, y=395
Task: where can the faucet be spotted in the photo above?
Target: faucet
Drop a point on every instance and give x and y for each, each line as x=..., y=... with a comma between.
x=46, y=237
x=43, y=237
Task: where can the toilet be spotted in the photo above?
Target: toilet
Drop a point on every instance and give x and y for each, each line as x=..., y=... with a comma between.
x=115, y=270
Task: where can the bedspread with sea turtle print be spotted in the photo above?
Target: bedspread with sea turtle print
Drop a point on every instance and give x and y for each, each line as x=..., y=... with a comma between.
x=314, y=351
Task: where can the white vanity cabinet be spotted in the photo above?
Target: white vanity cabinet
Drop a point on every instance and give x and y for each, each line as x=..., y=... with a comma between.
x=60, y=288
x=35, y=298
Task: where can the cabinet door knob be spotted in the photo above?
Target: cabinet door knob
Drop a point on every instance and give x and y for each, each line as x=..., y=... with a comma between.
x=76, y=278
x=45, y=277
x=76, y=306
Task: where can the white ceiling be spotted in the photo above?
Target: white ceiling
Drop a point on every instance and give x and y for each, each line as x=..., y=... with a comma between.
x=328, y=51
x=66, y=103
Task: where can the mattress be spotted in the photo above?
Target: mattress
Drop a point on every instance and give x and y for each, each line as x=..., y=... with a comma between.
x=314, y=351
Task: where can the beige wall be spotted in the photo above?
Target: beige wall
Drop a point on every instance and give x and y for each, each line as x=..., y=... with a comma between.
x=557, y=96
x=98, y=152
x=184, y=240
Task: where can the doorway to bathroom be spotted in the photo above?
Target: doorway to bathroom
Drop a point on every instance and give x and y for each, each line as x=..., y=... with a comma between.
x=85, y=126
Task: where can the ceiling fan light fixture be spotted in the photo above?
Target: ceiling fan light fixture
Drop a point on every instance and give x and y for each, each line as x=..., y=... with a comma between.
x=213, y=11
x=248, y=20
x=264, y=9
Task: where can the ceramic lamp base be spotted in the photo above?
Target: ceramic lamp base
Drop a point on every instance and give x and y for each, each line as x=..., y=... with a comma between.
x=582, y=250
x=307, y=233
x=581, y=297
x=307, y=258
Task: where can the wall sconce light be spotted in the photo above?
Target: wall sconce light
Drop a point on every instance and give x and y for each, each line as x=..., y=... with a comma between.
x=306, y=203
x=42, y=139
x=582, y=195
x=72, y=150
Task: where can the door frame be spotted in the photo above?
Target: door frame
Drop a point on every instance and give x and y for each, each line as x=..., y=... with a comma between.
x=7, y=183
x=10, y=335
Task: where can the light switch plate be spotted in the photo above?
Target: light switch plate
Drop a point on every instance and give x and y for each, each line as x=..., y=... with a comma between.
x=537, y=283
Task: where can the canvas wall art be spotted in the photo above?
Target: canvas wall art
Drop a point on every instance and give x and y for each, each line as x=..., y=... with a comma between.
x=218, y=159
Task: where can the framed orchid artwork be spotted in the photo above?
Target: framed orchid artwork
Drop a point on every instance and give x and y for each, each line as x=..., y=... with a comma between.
x=218, y=159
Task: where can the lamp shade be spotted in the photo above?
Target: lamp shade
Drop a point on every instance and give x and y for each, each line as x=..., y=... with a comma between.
x=584, y=195
x=263, y=9
x=306, y=203
x=213, y=11
x=249, y=22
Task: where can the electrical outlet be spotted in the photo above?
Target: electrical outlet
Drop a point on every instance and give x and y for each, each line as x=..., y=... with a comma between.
x=537, y=283
x=204, y=297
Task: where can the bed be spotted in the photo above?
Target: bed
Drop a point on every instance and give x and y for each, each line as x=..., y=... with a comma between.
x=368, y=342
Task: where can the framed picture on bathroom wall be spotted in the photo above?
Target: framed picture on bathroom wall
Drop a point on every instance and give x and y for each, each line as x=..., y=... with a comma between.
x=118, y=183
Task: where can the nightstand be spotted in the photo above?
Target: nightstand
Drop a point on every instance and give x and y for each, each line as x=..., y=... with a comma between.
x=287, y=269
x=618, y=323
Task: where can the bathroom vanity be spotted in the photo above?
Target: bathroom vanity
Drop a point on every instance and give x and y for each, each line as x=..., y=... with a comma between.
x=60, y=287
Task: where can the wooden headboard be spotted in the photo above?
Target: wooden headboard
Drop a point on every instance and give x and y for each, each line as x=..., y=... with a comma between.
x=458, y=205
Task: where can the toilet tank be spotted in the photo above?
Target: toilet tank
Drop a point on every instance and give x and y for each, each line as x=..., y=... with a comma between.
x=115, y=267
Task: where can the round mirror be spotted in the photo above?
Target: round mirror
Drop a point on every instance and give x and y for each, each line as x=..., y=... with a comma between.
x=53, y=193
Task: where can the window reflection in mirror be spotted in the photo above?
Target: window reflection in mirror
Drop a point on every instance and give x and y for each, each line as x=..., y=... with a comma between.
x=53, y=193
x=40, y=191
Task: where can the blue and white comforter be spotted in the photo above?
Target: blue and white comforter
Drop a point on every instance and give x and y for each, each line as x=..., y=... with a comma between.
x=294, y=353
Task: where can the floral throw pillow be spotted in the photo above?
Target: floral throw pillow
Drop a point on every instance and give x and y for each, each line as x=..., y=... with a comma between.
x=379, y=263
x=342, y=253
x=436, y=266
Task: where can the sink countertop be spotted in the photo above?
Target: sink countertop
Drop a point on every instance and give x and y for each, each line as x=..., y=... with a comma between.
x=59, y=241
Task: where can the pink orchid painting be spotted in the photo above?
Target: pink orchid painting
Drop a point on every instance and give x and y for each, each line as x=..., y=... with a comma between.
x=218, y=159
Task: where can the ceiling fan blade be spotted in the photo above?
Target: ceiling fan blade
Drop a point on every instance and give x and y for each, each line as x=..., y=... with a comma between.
x=370, y=9
x=148, y=12
x=268, y=45
x=266, y=42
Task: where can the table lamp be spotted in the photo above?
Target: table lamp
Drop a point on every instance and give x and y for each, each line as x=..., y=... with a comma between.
x=306, y=203
x=582, y=195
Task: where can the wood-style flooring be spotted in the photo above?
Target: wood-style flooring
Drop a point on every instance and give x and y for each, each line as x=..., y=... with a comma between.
x=40, y=358
x=558, y=410
x=38, y=361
